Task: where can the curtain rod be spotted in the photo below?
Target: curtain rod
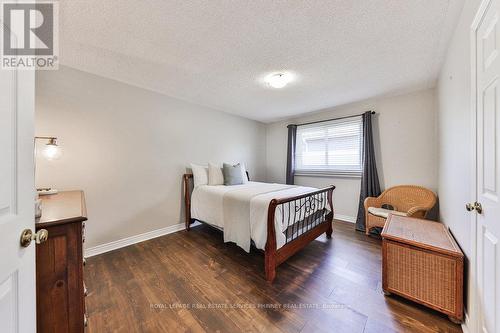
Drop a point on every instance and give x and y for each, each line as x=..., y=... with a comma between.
x=322, y=121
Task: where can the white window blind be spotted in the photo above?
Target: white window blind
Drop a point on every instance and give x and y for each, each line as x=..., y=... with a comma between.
x=330, y=147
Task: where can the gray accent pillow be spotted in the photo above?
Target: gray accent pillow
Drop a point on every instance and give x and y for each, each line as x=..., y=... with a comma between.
x=232, y=174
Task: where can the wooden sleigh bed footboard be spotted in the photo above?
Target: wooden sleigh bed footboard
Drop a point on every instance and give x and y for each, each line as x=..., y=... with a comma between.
x=303, y=218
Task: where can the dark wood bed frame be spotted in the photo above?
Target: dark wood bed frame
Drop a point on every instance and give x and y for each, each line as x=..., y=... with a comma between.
x=314, y=219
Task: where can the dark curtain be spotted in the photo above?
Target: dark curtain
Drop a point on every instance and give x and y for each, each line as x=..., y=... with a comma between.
x=370, y=186
x=290, y=159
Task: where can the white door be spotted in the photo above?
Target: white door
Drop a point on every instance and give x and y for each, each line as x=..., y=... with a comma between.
x=17, y=264
x=488, y=167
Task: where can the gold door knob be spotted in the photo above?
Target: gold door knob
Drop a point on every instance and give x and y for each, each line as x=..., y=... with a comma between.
x=39, y=237
x=474, y=206
x=478, y=207
x=26, y=237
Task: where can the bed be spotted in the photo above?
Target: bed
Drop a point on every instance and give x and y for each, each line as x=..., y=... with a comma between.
x=278, y=219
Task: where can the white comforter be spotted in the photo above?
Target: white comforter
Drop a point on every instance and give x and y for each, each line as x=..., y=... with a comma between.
x=241, y=210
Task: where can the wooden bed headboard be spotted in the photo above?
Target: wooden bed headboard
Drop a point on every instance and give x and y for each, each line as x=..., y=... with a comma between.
x=188, y=176
x=187, y=198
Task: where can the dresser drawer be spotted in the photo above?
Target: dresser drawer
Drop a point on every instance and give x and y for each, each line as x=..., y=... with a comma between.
x=60, y=280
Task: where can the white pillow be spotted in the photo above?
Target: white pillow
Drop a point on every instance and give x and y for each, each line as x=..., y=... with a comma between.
x=215, y=176
x=244, y=173
x=200, y=175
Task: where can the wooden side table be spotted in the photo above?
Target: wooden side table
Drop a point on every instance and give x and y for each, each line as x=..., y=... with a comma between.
x=422, y=262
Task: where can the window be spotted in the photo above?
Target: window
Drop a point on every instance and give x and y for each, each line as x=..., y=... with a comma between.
x=331, y=147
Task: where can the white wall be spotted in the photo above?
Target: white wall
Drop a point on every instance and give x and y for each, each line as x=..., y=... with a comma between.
x=405, y=143
x=454, y=92
x=127, y=148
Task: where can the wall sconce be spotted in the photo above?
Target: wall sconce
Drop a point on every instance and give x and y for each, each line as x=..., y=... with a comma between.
x=52, y=151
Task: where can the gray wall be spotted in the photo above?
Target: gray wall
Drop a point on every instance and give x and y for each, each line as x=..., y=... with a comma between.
x=405, y=143
x=127, y=148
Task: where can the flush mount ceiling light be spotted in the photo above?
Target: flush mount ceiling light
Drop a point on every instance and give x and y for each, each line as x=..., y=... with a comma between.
x=279, y=80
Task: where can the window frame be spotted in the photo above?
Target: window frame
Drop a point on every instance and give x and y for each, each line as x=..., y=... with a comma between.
x=344, y=173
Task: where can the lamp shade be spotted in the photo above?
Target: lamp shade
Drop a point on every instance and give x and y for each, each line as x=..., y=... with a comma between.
x=52, y=151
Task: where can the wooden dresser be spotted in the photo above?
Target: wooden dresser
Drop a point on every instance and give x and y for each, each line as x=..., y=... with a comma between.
x=421, y=261
x=59, y=264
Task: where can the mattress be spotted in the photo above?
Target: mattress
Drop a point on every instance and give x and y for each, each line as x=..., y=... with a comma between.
x=251, y=200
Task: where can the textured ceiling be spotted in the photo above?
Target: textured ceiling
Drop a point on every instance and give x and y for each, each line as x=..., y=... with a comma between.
x=216, y=53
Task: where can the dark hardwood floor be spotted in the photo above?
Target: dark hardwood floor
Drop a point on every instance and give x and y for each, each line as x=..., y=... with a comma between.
x=193, y=282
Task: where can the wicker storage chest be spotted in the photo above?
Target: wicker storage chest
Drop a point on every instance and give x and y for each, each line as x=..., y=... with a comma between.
x=422, y=262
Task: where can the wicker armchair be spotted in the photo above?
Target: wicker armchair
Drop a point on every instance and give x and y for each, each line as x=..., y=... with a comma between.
x=409, y=200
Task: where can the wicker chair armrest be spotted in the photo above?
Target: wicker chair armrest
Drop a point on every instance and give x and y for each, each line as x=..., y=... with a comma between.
x=372, y=202
x=417, y=211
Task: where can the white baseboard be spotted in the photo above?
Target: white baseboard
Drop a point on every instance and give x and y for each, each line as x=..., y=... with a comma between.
x=465, y=324
x=345, y=218
x=103, y=248
x=99, y=249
